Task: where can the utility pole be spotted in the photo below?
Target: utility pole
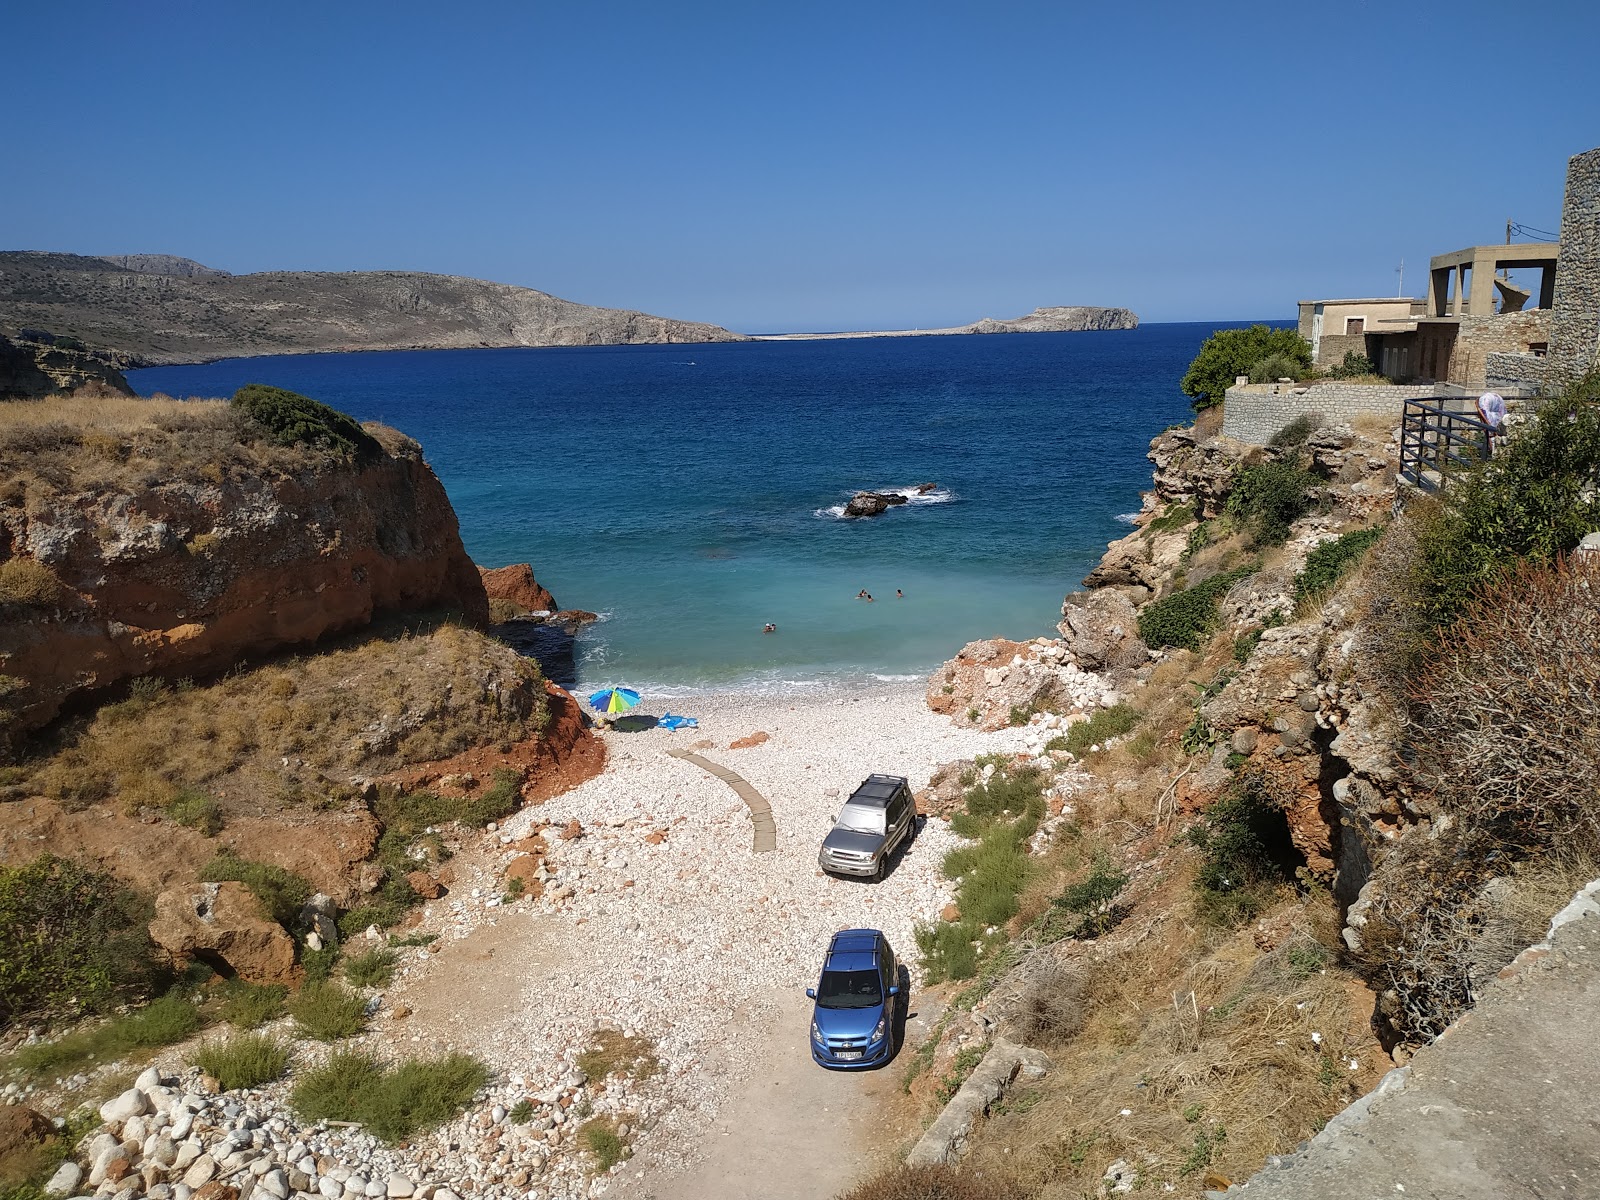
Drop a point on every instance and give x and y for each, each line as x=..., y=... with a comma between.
x=1508, y=231
x=1401, y=271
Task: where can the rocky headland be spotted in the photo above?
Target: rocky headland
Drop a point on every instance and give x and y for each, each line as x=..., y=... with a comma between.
x=157, y=309
x=1070, y=318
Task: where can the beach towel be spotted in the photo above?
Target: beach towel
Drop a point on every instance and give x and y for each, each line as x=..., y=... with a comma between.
x=670, y=721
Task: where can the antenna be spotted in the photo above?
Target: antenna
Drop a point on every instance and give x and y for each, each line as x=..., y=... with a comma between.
x=1401, y=271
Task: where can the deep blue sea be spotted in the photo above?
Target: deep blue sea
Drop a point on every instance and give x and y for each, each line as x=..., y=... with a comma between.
x=690, y=494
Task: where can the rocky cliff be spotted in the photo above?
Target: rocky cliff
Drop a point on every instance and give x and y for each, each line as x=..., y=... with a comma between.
x=33, y=369
x=175, y=539
x=161, y=309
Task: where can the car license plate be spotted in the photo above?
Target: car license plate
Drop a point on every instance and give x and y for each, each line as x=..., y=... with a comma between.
x=848, y=1055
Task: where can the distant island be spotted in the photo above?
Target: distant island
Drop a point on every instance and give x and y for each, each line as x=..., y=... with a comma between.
x=1071, y=318
x=156, y=309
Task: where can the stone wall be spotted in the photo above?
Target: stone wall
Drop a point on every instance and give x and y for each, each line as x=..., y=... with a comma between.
x=1256, y=411
x=1333, y=347
x=1575, y=329
x=1478, y=338
x=1514, y=372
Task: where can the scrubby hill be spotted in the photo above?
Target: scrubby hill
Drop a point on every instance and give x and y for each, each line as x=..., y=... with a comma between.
x=159, y=309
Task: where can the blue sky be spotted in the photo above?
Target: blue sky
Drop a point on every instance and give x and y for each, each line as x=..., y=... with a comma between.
x=806, y=166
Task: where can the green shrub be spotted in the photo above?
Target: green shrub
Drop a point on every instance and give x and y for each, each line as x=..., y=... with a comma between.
x=1275, y=367
x=281, y=894
x=327, y=1012
x=251, y=1005
x=521, y=1112
x=318, y=964
x=292, y=419
x=1329, y=562
x=1094, y=899
x=245, y=1060
x=375, y=968
x=72, y=940
x=1268, y=498
x=1296, y=431
x=1245, y=644
x=1244, y=842
x=163, y=1022
x=1107, y=723
x=600, y=1139
x=1185, y=619
x=391, y=1102
x=197, y=810
x=1176, y=516
x=1355, y=365
x=948, y=950
x=1535, y=499
x=1229, y=353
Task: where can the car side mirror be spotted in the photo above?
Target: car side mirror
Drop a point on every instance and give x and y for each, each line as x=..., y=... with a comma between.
x=894, y=990
x=811, y=993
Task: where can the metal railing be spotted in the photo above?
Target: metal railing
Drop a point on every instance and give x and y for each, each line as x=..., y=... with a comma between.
x=1436, y=440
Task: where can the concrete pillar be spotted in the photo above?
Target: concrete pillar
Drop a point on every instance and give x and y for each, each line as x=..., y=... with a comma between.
x=1438, y=292
x=1458, y=301
x=1547, y=286
x=1481, y=302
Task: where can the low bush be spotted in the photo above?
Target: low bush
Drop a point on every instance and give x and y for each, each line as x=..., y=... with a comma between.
x=72, y=940
x=1506, y=718
x=1247, y=854
x=1093, y=900
x=28, y=583
x=391, y=1102
x=281, y=894
x=1105, y=724
x=941, y=1182
x=1176, y=516
x=163, y=1022
x=1275, y=367
x=521, y=1112
x=251, y=1005
x=1354, y=365
x=1053, y=1006
x=1295, y=432
x=1185, y=619
x=318, y=964
x=600, y=1138
x=1268, y=498
x=1331, y=561
x=292, y=419
x=327, y=1012
x=375, y=968
x=245, y=1060
x=949, y=950
x=197, y=810
x=1535, y=499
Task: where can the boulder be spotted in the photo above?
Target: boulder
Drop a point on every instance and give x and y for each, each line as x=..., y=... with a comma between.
x=517, y=584
x=221, y=921
x=1101, y=630
x=425, y=885
x=870, y=504
x=22, y=1130
x=131, y=1103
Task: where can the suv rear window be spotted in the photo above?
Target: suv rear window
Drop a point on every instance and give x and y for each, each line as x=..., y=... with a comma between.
x=850, y=989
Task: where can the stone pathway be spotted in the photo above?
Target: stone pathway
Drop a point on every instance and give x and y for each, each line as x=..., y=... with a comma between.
x=766, y=831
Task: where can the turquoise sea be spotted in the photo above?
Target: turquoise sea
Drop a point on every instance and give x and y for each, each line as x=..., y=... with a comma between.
x=690, y=494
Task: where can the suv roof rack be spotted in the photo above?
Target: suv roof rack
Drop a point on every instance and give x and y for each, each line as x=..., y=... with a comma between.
x=877, y=790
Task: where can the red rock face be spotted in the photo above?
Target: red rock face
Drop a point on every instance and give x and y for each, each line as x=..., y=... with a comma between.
x=186, y=576
x=517, y=584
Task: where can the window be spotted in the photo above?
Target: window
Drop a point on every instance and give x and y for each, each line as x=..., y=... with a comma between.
x=1354, y=326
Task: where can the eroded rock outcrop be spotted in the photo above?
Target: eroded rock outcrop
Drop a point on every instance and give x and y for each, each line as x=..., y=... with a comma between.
x=221, y=924
x=995, y=683
x=183, y=567
x=517, y=585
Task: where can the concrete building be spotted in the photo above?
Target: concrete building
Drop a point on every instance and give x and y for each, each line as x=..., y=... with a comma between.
x=1475, y=331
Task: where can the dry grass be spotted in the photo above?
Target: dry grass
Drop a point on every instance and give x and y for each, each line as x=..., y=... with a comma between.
x=614, y=1053
x=370, y=705
x=95, y=441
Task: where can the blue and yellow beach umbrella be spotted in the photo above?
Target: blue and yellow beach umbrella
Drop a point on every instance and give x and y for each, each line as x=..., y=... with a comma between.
x=614, y=699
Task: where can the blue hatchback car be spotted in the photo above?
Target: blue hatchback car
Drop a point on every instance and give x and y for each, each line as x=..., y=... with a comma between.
x=852, y=1025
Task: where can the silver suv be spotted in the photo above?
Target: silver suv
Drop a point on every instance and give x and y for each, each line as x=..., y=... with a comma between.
x=878, y=816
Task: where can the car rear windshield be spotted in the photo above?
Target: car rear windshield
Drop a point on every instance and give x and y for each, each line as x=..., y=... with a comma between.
x=862, y=820
x=849, y=989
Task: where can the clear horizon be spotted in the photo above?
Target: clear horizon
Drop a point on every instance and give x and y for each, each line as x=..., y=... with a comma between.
x=768, y=170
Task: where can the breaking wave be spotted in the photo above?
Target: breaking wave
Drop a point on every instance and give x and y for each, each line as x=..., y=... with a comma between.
x=914, y=499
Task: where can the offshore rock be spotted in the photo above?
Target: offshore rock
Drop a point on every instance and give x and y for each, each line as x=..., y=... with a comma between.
x=870, y=504
x=517, y=585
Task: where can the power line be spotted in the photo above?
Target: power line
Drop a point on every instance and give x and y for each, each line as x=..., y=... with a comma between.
x=1538, y=235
